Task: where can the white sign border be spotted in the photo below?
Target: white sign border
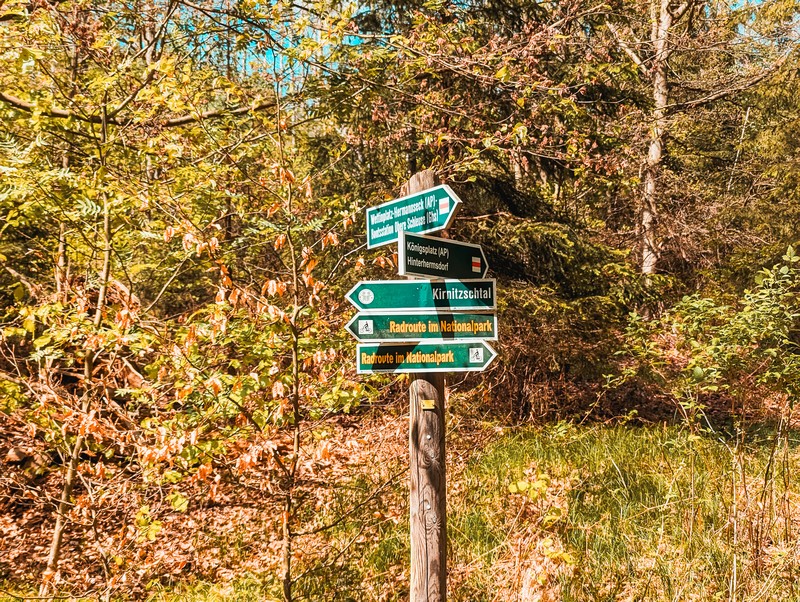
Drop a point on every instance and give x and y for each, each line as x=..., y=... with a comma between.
x=457, y=202
x=492, y=353
x=364, y=314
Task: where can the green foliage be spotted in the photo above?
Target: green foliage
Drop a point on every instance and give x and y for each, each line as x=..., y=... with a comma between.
x=702, y=347
x=181, y=202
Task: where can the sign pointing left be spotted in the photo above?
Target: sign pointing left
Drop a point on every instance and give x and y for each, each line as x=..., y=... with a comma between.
x=427, y=211
x=421, y=295
x=372, y=327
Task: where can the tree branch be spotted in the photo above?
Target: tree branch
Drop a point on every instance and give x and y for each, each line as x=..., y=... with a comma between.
x=680, y=10
x=132, y=96
x=627, y=49
x=32, y=288
x=176, y=121
x=28, y=107
x=725, y=92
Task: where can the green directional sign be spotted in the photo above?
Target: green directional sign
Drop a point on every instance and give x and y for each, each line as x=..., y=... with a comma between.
x=414, y=326
x=433, y=257
x=422, y=295
x=427, y=211
x=444, y=356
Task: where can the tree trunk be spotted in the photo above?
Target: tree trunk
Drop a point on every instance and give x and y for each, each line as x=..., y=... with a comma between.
x=291, y=474
x=662, y=21
x=61, y=262
x=288, y=503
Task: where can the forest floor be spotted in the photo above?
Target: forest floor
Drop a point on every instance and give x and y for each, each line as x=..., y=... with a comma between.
x=618, y=510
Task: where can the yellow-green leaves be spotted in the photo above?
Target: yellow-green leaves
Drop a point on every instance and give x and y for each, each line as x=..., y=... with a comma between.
x=148, y=528
x=535, y=488
x=178, y=502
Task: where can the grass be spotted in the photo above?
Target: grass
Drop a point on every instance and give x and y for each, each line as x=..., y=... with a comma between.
x=574, y=513
x=245, y=589
x=643, y=514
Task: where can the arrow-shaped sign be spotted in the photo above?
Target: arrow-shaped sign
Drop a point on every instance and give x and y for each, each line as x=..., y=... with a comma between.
x=462, y=356
x=421, y=295
x=415, y=326
x=427, y=211
x=433, y=257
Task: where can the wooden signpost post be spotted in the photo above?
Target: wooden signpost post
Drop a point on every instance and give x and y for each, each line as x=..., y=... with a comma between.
x=426, y=328
x=428, y=491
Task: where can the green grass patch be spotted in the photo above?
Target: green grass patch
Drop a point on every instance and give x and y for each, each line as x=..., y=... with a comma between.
x=639, y=513
x=572, y=513
x=243, y=589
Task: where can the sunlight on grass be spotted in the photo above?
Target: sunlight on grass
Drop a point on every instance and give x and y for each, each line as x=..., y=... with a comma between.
x=578, y=513
x=638, y=513
x=238, y=590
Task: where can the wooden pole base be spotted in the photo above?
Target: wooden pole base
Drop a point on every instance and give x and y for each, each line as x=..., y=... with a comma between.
x=428, y=501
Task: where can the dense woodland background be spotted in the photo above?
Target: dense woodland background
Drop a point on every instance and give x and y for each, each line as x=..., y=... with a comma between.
x=182, y=192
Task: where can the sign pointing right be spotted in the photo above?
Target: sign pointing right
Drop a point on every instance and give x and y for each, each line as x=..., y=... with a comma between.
x=430, y=210
x=434, y=257
x=442, y=356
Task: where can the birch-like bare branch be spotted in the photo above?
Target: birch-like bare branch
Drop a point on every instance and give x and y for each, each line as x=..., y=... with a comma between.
x=628, y=49
x=680, y=10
